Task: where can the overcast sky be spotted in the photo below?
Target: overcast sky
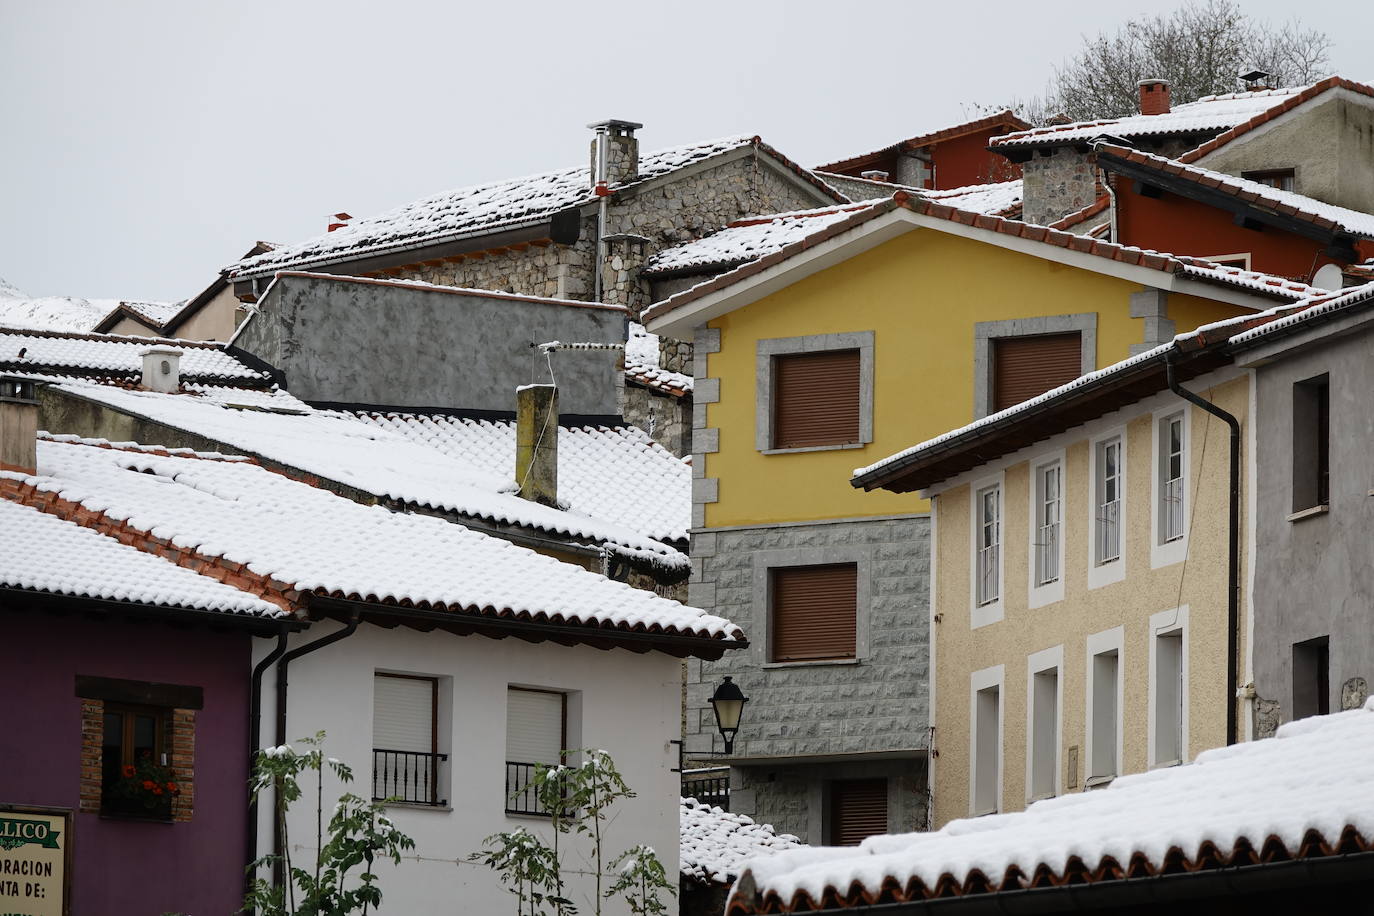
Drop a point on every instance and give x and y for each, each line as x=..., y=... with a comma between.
x=144, y=145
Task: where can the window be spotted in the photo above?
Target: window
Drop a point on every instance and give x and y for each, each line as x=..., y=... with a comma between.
x=1107, y=494
x=1104, y=706
x=986, y=732
x=1171, y=487
x=1024, y=367
x=816, y=399
x=858, y=810
x=813, y=612
x=989, y=543
x=405, y=739
x=1168, y=687
x=134, y=750
x=536, y=733
x=1042, y=733
x=1312, y=678
x=1240, y=260
x=1275, y=178
x=1049, y=496
x=1311, y=443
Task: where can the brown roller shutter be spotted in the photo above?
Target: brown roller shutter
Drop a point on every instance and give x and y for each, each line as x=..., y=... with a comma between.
x=1026, y=366
x=858, y=809
x=813, y=612
x=816, y=399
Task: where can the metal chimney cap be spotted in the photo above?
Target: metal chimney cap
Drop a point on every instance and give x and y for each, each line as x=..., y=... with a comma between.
x=1254, y=76
x=615, y=124
x=18, y=390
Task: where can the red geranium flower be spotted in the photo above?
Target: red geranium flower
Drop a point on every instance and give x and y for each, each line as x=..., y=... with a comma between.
x=149, y=784
x=128, y=772
x=157, y=790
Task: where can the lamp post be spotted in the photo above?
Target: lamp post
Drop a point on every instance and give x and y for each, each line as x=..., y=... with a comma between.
x=728, y=702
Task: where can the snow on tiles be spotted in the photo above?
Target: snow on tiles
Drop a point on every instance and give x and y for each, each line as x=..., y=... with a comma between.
x=642, y=363
x=321, y=543
x=1313, y=776
x=716, y=845
x=617, y=474
x=471, y=210
x=993, y=199
x=44, y=553
x=105, y=353
x=748, y=239
x=341, y=448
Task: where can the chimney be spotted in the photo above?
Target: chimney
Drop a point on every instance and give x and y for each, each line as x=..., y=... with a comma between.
x=536, y=443
x=337, y=221
x=18, y=425
x=615, y=154
x=874, y=175
x=1154, y=97
x=1256, y=80
x=162, y=369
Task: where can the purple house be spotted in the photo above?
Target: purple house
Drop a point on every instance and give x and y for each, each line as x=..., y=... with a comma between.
x=124, y=761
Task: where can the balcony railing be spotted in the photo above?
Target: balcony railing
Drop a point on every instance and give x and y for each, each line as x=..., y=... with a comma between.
x=1109, y=531
x=708, y=785
x=521, y=795
x=1047, y=554
x=1173, y=509
x=407, y=776
x=988, y=586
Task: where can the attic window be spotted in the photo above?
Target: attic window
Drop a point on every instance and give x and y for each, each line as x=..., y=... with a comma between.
x=1275, y=178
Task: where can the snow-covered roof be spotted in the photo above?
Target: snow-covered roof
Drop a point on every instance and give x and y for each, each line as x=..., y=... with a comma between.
x=1319, y=309
x=118, y=357
x=1213, y=113
x=380, y=461
x=998, y=199
x=1304, y=794
x=154, y=314
x=747, y=239
x=642, y=364
x=1004, y=118
x=312, y=541
x=482, y=209
x=716, y=845
x=1343, y=219
x=44, y=553
x=617, y=474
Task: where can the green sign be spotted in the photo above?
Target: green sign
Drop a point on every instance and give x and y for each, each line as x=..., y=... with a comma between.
x=18, y=831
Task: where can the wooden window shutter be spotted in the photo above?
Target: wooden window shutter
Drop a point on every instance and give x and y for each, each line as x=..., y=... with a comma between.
x=814, y=612
x=858, y=809
x=816, y=399
x=1024, y=367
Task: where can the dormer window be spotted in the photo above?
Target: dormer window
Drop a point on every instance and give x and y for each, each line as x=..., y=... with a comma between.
x=1275, y=178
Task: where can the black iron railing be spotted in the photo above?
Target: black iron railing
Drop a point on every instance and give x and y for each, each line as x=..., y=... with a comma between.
x=708, y=785
x=408, y=776
x=521, y=797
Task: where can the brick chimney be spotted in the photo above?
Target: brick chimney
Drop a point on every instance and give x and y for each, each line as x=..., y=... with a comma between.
x=874, y=175
x=162, y=369
x=18, y=425
x=1154, y=97
x=338, y=221
x=536, y=443
x=615, y=153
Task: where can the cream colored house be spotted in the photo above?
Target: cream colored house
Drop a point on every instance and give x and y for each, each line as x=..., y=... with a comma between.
x=1080, y=626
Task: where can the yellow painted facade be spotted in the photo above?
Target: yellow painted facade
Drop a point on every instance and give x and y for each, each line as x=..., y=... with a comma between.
x=1196, y=580
x=921, y=294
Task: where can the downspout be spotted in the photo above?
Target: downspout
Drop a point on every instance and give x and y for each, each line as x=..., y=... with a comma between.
x=1232, y=547
x=282, y=667
x=1111, y=207
x=602, y=192
x=254, y=731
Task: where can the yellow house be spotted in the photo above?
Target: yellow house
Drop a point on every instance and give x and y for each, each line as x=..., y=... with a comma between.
x=870, y=329
x=1081, y=625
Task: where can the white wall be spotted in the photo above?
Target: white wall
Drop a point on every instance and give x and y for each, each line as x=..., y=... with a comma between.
x=629, y=706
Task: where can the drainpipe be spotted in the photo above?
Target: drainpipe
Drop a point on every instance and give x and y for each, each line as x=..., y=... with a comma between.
x=1111, y=207
x=1232, y=547
x=282, y=667
x=254, y=730
x=602, y=192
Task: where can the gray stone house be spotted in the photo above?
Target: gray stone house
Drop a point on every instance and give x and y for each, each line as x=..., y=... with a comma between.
x=579, y=233
x=1310, y=139
x=1313, y=591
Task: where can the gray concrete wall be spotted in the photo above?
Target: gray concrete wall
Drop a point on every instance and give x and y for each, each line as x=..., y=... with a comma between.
x=379, y=343
x=1330, y=147
x=1314, y=576
x=877, y=703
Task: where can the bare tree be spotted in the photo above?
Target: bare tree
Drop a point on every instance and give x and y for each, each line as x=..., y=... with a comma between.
x=1200, y=48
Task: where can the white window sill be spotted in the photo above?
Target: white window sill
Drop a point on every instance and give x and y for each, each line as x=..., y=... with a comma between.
x=1165, y=764
x=812, y=448
x=1035, y=798
x=1098, y=782
x=814, y=663
x=1309, y=513
x=983, y=813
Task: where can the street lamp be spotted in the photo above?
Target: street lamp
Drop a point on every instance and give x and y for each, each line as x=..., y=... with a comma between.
x=728, y=702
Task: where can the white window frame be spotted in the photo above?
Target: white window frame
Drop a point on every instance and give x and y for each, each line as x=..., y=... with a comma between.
x=985, y=679
x=1162, y=552
x=986, y=612
x=1105, y=573
x=1041, y=595
x=1165, y=624
x=1100, y=644
x=1051, y=659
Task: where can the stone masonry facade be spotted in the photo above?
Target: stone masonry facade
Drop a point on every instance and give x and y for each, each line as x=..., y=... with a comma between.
x=1056, y=184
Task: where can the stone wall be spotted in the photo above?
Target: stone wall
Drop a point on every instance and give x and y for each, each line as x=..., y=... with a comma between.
x=551, y=270
x=1056, y=185
x=667, y=420
x=877, y=703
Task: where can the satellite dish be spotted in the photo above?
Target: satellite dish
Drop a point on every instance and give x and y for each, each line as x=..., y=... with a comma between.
x=1329, y=276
